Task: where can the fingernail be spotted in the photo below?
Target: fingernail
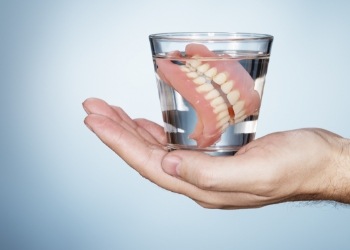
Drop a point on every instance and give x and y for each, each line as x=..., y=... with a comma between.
x=170, y=165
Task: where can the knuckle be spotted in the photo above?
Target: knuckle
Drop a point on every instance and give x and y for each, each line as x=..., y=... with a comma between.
x=205, y=179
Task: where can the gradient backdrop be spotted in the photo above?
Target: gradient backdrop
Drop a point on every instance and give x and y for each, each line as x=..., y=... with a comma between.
x=61, y=188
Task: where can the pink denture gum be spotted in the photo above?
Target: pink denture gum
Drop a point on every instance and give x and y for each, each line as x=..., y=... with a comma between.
x=221, y=91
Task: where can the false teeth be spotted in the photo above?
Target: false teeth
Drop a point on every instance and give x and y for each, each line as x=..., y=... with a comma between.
x=220, y=78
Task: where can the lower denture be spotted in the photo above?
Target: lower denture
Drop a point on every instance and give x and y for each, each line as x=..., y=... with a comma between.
x=203, y=85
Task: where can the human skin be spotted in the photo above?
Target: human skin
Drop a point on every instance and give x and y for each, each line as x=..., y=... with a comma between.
x=297, y=165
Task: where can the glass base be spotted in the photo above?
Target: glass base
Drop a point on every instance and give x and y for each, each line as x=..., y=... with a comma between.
x=213, y=151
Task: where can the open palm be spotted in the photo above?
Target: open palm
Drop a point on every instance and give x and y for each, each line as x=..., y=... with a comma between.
x=285, y=166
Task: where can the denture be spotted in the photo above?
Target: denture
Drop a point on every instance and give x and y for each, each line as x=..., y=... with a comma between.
x=220, y=91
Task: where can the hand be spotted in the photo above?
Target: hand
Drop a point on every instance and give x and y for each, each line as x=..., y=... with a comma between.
x=304, y=164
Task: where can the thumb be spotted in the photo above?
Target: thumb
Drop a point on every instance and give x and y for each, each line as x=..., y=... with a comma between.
x=199, y=169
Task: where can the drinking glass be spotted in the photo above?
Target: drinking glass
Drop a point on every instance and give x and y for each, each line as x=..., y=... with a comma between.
x=210, y=87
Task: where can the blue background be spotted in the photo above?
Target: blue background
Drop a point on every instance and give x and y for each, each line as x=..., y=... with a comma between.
x=61, y=188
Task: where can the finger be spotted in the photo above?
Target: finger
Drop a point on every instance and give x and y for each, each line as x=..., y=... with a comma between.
x=233, y=174
x=124, y=116
x=140, y=127
x=154, y=129
x=130, y=147
x=117, y=114
x=236, y=201
x=98, y=106
x=144, y=158
x=231, y=200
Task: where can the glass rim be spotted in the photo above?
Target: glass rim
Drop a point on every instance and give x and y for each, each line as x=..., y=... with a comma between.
x=211, y=36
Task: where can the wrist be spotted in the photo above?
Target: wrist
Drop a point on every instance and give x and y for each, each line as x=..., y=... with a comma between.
x=330, y=177
x=340, y=188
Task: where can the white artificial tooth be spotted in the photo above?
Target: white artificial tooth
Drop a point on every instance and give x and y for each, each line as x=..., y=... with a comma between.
x=222, y=115
x=220, y=78
x=240, y=116
x=212, y=94
x=211, y=72
x=195, y=63
x=240, y=119
x=238, y=107
x=217, y=101
x=199, y=80
x=203, y=68
x=227, y=86
x=185, y=69
x=224, y=122
x=241, y=113
x=220, y=108
x=205, y=88
x=192, y=75
x=233, y=97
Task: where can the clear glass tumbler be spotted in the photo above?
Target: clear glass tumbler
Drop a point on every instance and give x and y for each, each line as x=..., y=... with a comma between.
x=210, y=87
